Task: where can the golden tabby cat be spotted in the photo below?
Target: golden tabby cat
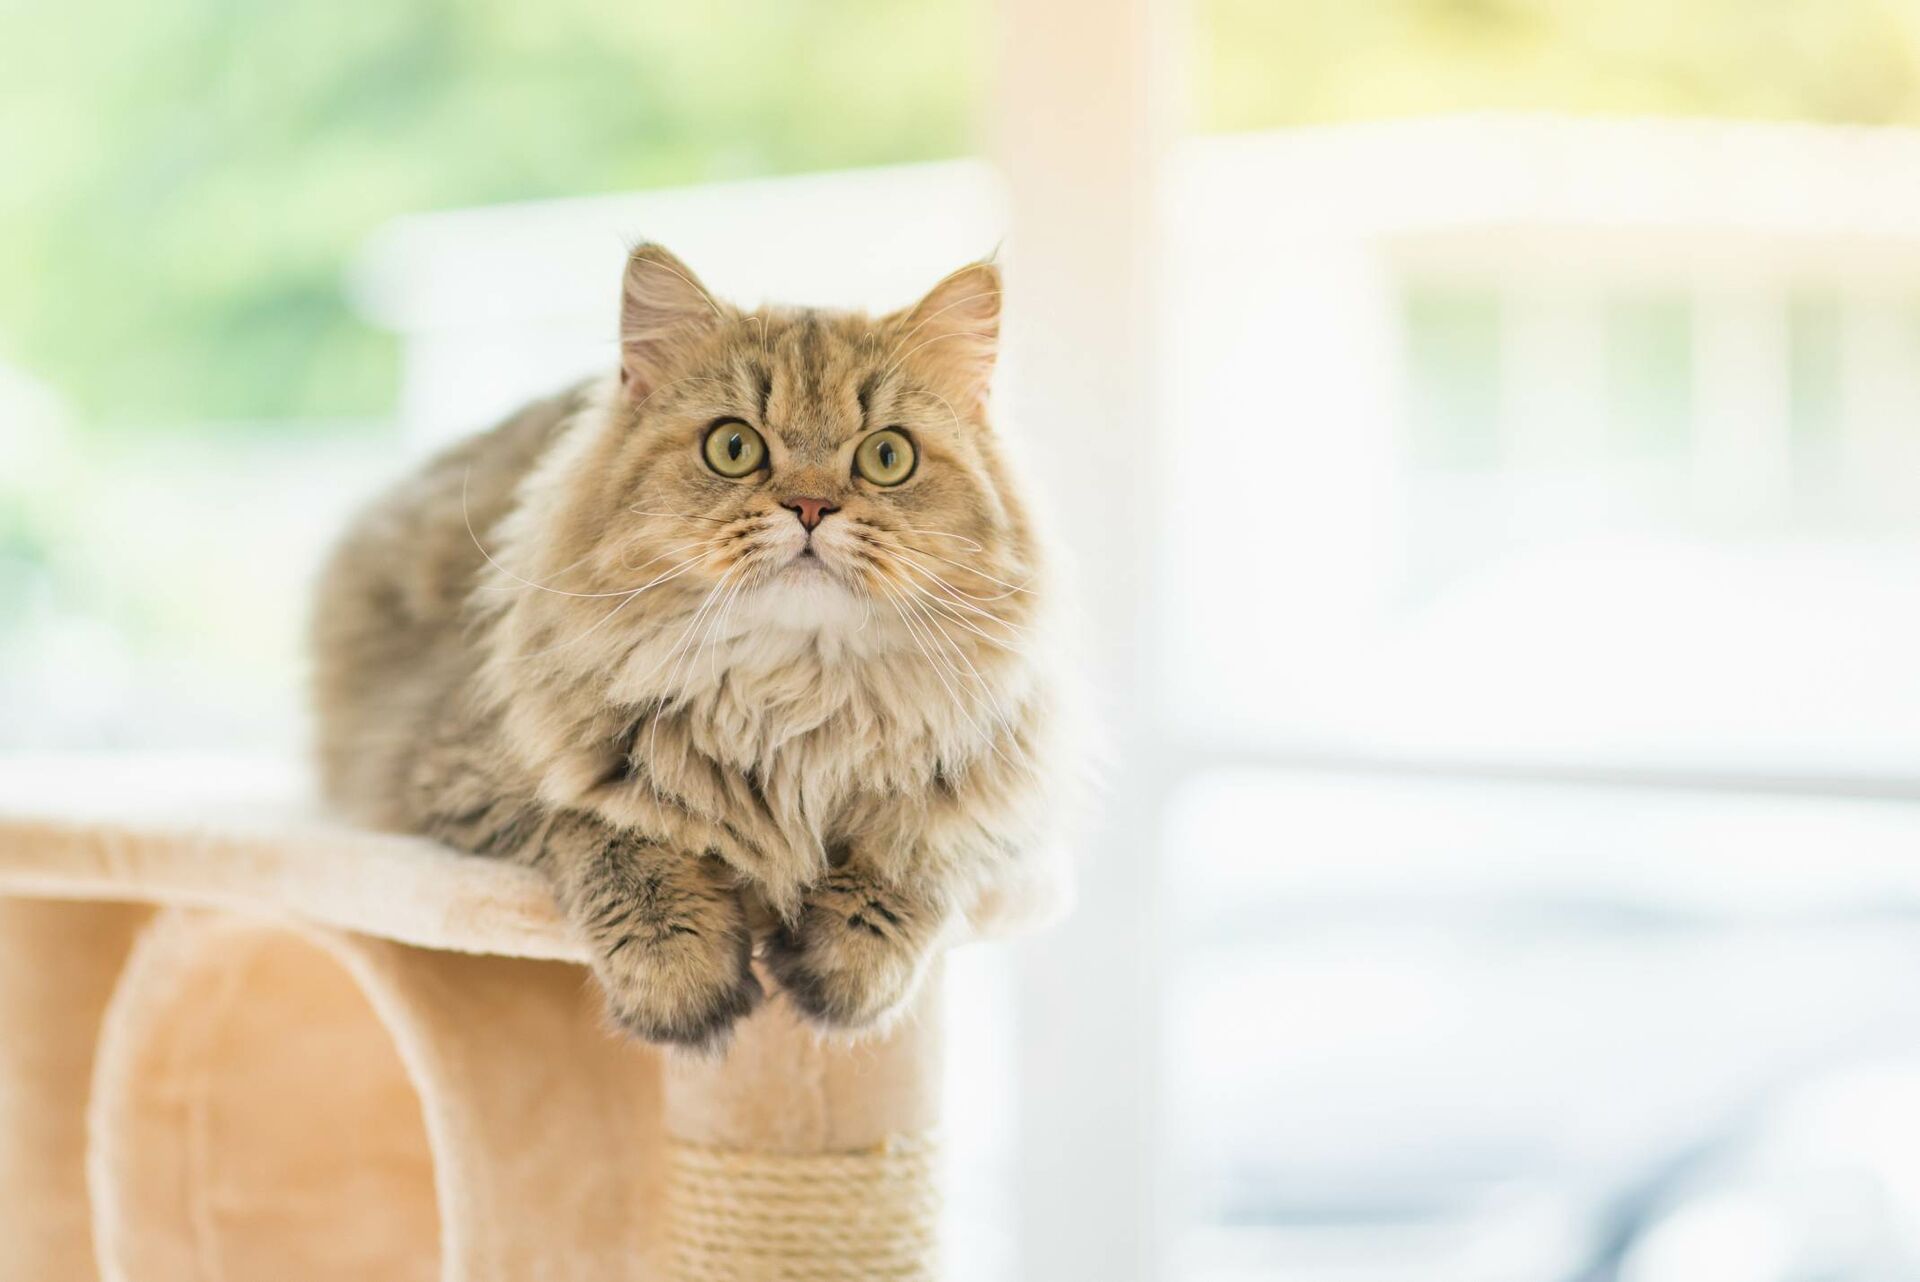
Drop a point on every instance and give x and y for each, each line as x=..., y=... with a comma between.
x=739, y=647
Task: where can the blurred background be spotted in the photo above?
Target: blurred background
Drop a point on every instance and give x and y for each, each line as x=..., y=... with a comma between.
x=1488, y=432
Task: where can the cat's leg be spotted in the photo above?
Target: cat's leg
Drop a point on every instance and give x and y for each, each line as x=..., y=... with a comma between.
x=666, y=929
x=854, y=953
x=667, y=932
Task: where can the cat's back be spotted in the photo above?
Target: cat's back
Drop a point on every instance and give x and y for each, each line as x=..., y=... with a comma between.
x=388, y=634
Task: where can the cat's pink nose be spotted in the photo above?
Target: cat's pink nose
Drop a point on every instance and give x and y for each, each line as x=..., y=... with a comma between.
x=810, y=511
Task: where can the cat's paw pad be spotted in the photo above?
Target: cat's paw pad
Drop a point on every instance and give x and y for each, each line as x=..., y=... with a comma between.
x=853, y=955
x=681, y=985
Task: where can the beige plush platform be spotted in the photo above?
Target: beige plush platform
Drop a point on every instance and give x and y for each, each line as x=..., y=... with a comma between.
x=239, y=1041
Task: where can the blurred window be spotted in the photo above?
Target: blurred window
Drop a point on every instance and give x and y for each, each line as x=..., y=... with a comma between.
x=1546, y=792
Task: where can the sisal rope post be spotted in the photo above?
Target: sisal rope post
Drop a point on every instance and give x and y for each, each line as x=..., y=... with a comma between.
x=803, y=1158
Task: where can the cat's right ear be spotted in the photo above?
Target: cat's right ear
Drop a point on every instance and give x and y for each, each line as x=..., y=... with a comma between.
x=663, y=310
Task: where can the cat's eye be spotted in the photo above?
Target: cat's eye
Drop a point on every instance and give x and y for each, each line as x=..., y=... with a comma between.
x=887, y=457
x=733, y=449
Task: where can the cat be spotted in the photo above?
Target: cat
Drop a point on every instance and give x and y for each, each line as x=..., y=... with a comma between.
x=743, y=647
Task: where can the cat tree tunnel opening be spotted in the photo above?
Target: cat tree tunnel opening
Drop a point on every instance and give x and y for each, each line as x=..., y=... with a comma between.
x=272, y=1100
x=253, y=1116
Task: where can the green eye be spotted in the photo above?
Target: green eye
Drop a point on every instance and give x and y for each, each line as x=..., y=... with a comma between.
x=886, y=458
x=733, y=449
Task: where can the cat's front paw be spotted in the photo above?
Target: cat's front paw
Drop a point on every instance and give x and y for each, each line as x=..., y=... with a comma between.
x=684, y=990
x=680, y=983
x=854, y=954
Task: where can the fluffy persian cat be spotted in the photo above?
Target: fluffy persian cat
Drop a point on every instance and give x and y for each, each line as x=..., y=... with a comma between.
x=739, y=647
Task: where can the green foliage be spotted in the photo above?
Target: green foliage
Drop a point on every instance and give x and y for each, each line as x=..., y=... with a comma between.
x=1274, y=62
x=186, y=180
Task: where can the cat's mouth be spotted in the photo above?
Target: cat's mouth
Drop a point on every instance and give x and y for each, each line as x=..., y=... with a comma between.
x=813, y=575
x=806, y=562
x=811, y=564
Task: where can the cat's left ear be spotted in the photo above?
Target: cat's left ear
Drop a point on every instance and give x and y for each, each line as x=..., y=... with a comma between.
x=664, y=310
x=953, y=334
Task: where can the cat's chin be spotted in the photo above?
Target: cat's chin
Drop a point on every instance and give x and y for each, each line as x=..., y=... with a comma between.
x=805, y=595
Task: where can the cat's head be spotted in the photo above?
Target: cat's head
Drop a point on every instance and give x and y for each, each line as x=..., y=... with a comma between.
x=804, y=469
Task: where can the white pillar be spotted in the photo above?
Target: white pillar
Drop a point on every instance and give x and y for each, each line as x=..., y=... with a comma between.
x=1083, y=123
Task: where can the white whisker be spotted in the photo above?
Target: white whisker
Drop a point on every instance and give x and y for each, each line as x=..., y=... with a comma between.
x=1011, y=588
x=947, y=608
x=982, y=686
x=717, y=634
x=510, y=587
x=465, y=516
x=686, y=635
x=704, y=545
x=973, y=546
x=966, y=600
x=940, y=668
x=632, y=596
x=683, y=516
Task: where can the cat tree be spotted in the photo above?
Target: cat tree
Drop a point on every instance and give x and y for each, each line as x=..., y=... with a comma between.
x=239, y=1041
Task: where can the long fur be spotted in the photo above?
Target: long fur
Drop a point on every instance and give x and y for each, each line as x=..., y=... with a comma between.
x=570, y=642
